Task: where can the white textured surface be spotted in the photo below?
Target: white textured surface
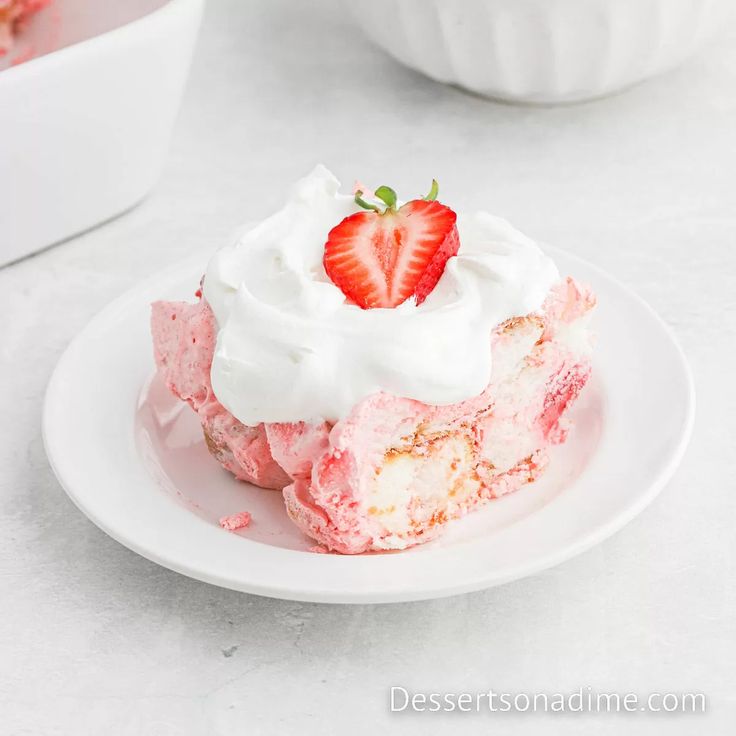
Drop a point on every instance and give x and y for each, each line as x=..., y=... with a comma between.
x=94, y=639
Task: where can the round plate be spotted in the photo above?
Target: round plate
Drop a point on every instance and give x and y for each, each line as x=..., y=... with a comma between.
x=133, y=460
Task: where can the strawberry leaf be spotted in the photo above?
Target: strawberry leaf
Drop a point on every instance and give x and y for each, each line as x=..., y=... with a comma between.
x=387, y=196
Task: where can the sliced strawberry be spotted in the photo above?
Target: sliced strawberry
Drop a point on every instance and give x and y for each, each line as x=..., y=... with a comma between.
x=380, y=259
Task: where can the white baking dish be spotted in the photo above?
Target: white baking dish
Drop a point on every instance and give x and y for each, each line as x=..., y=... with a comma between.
x=542, y=51
x=85, y=124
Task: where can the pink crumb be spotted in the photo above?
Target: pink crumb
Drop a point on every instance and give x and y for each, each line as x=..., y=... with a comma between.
x=318, y=549
x=235, y=521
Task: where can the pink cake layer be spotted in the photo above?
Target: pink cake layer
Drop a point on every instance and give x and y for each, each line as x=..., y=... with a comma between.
x=184, y=342
x=395, y=471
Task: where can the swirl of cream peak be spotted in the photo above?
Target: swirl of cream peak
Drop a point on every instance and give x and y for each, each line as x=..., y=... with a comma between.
x=291, y=348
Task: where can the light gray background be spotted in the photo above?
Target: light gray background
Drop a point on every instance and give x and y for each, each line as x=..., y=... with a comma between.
x=94, y=639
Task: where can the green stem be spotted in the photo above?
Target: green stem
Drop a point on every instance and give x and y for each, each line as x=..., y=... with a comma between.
x=365, y=205
x=433, y=192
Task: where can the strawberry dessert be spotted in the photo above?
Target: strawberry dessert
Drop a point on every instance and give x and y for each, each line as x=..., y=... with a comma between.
x=387, y=366
x=13, y=14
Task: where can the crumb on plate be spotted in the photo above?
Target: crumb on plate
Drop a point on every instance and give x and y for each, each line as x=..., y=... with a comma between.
x=235, y=521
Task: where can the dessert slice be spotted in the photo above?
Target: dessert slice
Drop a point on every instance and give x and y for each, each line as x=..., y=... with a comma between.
x=390, y=372
x=395, y=471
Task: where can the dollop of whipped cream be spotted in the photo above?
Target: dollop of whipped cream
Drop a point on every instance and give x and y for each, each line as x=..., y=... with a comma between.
x=291, y=347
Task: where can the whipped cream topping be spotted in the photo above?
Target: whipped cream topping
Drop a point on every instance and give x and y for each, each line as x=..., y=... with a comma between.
x=290, y=346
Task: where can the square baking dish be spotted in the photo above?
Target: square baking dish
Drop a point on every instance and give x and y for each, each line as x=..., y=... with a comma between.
x=86, y=121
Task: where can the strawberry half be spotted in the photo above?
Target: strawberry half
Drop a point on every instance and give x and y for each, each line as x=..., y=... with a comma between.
x=381, y=258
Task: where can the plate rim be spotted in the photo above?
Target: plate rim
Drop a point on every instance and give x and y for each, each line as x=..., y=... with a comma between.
x=311, y=593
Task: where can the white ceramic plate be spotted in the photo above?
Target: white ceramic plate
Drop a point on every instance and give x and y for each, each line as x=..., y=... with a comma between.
x=133, y=460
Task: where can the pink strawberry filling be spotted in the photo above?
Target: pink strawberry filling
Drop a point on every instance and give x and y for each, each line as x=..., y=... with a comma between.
x=13, y=14
x=394, y=471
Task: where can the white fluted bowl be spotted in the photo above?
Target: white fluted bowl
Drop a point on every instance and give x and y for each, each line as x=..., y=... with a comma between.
x=542, y=51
